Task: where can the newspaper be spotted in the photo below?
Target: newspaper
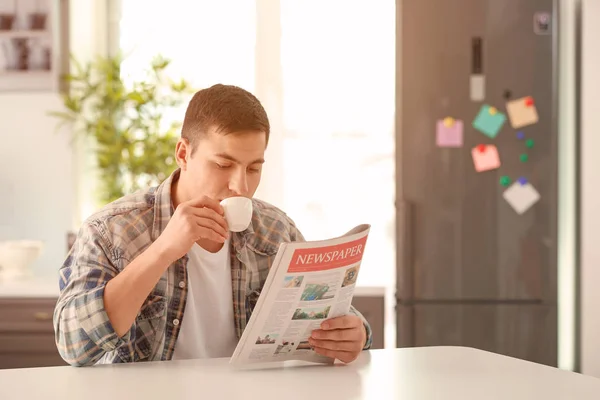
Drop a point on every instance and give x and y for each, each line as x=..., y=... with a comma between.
x=308, y=283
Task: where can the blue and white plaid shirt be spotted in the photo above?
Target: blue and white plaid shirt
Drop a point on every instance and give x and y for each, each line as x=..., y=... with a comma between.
x=113, y=237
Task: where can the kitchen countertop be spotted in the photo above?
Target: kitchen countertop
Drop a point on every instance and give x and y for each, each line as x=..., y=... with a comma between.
x=47, y=287
x=30, y=288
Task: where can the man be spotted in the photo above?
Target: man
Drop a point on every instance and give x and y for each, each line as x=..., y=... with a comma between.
x=156, y=275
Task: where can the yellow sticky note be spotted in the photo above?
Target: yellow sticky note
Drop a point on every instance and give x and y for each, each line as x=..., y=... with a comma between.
x=522, y=112
x=485, y=157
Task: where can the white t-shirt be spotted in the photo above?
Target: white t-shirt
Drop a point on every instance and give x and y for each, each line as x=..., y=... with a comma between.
x=207, y=328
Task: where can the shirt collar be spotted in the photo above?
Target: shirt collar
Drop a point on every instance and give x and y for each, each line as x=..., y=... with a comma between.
x=163, y=204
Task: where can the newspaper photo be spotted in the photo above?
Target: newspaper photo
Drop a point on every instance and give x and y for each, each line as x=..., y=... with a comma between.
x=308, y=283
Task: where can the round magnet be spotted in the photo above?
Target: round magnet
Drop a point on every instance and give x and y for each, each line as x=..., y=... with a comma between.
x=529, y=143
x=528, y=101
x=481, y=148
x=520, y=135
x=522, y=180
x=493, y=110
x=505, y=181
x=448, y=121
x=523, y=157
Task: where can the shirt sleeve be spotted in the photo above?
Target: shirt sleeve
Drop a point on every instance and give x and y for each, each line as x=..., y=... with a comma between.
x=296, y=235
x=83, y=332
x=369, y=340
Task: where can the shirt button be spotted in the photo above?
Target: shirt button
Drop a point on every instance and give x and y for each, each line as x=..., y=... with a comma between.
x=175, y=322
x=182, y=284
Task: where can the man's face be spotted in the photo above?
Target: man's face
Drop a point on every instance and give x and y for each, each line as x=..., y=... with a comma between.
x=221, y=166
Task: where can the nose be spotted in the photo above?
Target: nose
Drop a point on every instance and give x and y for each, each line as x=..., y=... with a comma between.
x=238, y=183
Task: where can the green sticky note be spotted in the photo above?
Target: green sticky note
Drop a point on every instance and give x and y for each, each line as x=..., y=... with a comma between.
x=489, y=121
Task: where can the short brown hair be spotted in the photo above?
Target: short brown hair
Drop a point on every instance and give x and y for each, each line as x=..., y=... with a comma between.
x=227, y=109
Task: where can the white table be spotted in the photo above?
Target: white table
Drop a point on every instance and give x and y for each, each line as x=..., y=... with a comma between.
x=440, y=373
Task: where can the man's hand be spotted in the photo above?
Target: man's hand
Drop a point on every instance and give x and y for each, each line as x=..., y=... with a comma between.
x=342, y=338
x=197, y=219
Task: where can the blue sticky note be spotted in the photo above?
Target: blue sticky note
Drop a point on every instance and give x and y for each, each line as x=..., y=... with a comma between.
x=489, y=121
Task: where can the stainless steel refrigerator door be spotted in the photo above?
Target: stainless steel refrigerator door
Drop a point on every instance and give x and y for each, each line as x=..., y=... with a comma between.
x=461, y=245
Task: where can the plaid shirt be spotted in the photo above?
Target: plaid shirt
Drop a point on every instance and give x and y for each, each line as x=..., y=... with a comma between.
x=114, y=236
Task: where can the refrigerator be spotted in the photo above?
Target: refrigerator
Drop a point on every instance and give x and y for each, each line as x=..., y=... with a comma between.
x=476, y=149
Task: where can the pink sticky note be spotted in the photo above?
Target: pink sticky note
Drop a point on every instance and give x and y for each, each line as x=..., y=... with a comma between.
x=449, y=133
x=485, y=157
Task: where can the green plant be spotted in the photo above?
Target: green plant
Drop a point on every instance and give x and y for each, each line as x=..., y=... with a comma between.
x=132, y=136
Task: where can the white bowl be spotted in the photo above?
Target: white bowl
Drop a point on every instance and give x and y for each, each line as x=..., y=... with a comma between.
x=17, y=255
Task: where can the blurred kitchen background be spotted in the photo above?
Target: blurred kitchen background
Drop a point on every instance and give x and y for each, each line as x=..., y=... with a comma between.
x=353, y=89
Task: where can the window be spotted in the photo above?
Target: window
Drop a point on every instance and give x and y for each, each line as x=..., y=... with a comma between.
x=330, y=99
x=208, y=41
x=338, y=115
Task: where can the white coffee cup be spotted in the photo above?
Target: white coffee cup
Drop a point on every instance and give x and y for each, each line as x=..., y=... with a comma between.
x=238, y=212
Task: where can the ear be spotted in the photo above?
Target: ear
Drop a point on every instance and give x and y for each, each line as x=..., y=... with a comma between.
x=183, y=152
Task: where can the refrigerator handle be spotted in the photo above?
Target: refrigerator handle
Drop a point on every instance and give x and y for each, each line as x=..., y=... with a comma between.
x=404, y=289
x=477, y=76
x=477, y=56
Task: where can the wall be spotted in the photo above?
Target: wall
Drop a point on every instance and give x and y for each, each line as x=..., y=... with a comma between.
x=590, y=190
x=35, y=175
x=39, y=174
x=567, y=178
